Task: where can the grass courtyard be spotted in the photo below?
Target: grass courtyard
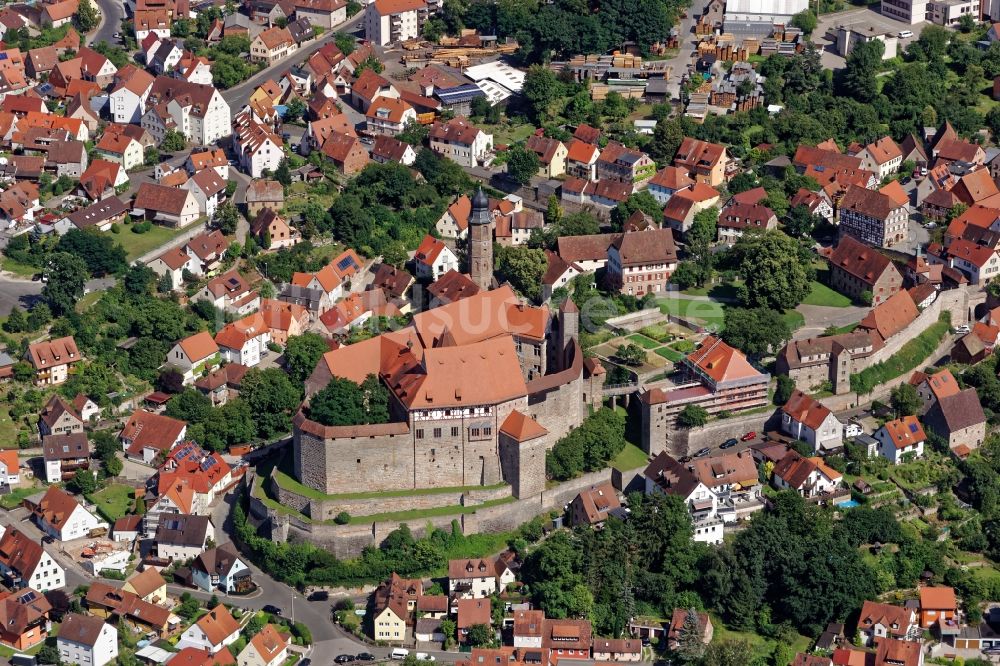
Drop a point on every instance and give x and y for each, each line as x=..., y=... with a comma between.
x=137, y=245
x=114, y=501
x=820, y=294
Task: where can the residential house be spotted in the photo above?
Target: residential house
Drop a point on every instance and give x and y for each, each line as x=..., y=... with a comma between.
x=224, y=383
x=388, y=149
x=121, y=149
x=148, y=585
x=979, y=262
x=194, y=356
x=53, y=360
x=173, y=263
x=581, y=160
x=593, y=505
x=347, y=152
x=273, y=231
x=59, y=418
x=389, y=116
x=477, y=578
x=368, y=87
x=171, y=206
x=197, y=111
x=450, y=287
x=63, y=455
x=395, y=602
x=932, y=388
x=10, y=468
x=433, y=259
x=857, y=269
x=207, y=251
x=816, y=202
x=461, y=142
x=617, y=649
x=165, y=57
x=454, y=222
x=208, y=188
x=127, y=99
x=901, y=439
x=100, y=215
x=244, y=341
x=879, y=620
x=703, y=161
x=322, y=13
x=805, y=419
x=221, y=568
x=394, y=282
x=24, y=618
x=641, y=262
x=151, y=22
x=665, y=474
x=268, y=647
x=284, y=320
x=213, y=631
x=810, y=477
x=937, y=604
x=147, y=435
x=59, y=515
x=86, y=640
x=569, y=639
x=959, y=419
x=883, y=157
x=624, y=165
x=26, y=563
x=680, y=211
x=471, y=612
x=391, y=21
x=101, y=179
x=182, y=537
x=551, y=155
x=259, y=149
x=272, y=45
x=969, y=350
x=668, y=181
x=263, y=194
x=873, y=217
x=678, y=624
x=738, y=217
x=209, y=159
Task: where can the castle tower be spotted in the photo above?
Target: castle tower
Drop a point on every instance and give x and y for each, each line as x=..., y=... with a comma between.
x=569, y=330
x=481, y=241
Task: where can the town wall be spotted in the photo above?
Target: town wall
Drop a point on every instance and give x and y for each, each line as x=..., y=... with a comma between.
x=687, y=442
x=349, y=540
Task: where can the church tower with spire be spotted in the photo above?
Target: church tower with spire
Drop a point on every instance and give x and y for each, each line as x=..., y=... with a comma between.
x=481, y=241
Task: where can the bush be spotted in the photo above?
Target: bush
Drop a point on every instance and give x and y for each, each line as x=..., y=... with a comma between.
x=342, y=518
x=142, y=227
x=302, y=631
x=115, y=229
x=588, y=448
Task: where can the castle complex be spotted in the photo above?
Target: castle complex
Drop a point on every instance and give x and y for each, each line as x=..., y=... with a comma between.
x=480, y=388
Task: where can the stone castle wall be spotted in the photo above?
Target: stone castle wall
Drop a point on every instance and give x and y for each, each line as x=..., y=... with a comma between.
x=687, y=442
x=349, y=540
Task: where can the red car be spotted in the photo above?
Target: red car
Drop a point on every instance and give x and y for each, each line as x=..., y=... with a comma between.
x=747, y=437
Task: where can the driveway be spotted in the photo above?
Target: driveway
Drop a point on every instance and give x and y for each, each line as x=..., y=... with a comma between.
x=863, y=19
x=15, y=291
x=818, y=318
x=112, y=13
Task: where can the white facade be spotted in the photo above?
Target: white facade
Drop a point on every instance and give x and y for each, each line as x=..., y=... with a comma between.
x=704, y=507
x=77, y=526
x=445, y=261
x=133, y=155
x=887, y=448
x=103, y=651
x=266, y=155
x=127, y=107
x=249, y=355
x=817, y=481
x=467, y=155
x=383, y=29
x=829, y=436
x=910, y=12
x=196, y=638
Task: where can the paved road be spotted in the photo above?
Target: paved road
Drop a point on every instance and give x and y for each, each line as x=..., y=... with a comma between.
x=23, y=293
x=112, y=13
x=237, y=95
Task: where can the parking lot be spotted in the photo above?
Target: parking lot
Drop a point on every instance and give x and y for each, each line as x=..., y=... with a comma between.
x=863, y=19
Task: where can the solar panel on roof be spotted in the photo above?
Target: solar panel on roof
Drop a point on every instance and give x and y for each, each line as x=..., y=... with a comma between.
x=913, y=427
x=345, y=263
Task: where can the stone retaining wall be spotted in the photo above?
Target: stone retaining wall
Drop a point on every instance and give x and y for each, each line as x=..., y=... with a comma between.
x=349, y=540
x=687, y=442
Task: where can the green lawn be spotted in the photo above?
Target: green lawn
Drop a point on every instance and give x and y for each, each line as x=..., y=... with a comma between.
x=631, y=457
x=643, y=341
x=683, y=346
x=763, y=647
x=114, y=501
x=671, y=355
x=416, y=514
x=721, y=291
x=13, y=500
x=707, y=312
x=820, y=294
x=88, y=301
x=794, y=319
x=508, y=134
x=906, y=359
x=845, y=329
x=137, y=245
x=17, y=268
x=8, y=431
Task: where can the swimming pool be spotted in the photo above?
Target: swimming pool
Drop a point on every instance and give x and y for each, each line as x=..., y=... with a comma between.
x=849, y=504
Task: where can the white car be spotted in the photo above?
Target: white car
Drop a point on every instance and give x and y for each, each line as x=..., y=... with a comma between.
x=963, y=329
x=905, y=34
x=423, y=656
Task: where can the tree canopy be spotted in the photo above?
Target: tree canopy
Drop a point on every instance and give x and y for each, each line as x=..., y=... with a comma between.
x=344, y=403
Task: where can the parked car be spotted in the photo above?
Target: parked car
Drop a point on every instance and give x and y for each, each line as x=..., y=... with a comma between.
x=701, y=453
x=729, y=443
x=963, y=329
x=272, y=609
x=319, y=595
x=344, y=658
x=905, y=34
x=423, y=656
x=749, y=436
x=367, y=140
x=399, y=653
x=365, y=656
